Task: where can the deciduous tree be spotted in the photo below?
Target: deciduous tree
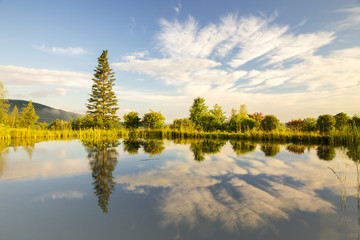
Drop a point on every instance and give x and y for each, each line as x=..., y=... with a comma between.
x=153, y=120
x=198, y=110
x=270, y=123
x=131, y=120
x=341, y=120
x=28, y=115
x=325, y=123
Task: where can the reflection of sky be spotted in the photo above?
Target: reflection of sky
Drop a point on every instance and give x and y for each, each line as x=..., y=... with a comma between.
x=226, y=191
x=47, y=160
x=249, y=190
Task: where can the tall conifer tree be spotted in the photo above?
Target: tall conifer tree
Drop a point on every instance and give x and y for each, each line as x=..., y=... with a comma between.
x=102, y=102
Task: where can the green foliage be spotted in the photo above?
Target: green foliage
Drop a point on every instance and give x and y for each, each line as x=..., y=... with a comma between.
x=297, y=149
x=310, y=124
x=341, y=120
x=325, y=123
x=198, y=110
x=14, y=118
x=326, y=153
x=131, y=145
x=241, y=147
x=131, y=120
x=102, y=157
x=183, y=124
x=353, y=152
x=4, y=105
x=247, y=124
x=153, y=146
x=270, y=123
x=203, y=147
x=28, y=115
x=60, y=125
x=214, y=119
x=258, y=117
x=296, y=125
x=270, y=150
x=356, y=120
x=235, y=123
x=102, y=102
x=153, y=120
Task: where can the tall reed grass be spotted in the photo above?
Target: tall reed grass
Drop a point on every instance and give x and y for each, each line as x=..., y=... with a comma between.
x=348, y=136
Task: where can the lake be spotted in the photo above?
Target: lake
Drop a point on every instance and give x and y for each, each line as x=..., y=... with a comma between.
x=181, y=189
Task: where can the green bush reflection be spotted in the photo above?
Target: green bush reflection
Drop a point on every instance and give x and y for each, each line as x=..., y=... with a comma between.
x=241, y=147
x=150, y=146
x=297, y=149
x=353, y=152
x=326, y=153
x=202, y=147
x=270, y=150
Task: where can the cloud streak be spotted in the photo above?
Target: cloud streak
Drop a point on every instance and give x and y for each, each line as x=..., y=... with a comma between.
x=22, y=76
x=242, y=58
x=62, y=51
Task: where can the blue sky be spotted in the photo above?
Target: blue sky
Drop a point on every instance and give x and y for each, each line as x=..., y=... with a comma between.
x=293, y=59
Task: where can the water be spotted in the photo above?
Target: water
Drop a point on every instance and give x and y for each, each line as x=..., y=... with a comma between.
x=178, y=190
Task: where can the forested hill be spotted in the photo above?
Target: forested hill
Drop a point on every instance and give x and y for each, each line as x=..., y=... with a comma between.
x=46, y=114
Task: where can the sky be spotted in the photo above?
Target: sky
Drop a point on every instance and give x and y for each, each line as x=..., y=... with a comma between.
x=292, y=59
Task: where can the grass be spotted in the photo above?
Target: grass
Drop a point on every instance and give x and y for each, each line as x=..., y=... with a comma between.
x=348, y=136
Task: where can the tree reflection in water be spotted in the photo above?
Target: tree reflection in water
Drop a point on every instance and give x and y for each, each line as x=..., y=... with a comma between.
x=241, y=147
x=297, y=149
x=131, y=146
x=208, y=146
x=103, y=158
x=353, y=152
x=326, y=153
x=270, y=150
x=4, y=151
x=150, y=146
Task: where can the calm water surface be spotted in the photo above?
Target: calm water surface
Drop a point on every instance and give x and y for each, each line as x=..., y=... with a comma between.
x=155, y=189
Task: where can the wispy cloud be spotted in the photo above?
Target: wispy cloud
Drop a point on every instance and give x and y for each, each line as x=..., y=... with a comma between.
x=243, y=58
x=352, y=19
x=61, y=51
x=22, y=76
x=177, y=8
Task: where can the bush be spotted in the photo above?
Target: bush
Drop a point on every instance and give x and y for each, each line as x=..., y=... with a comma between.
x=270, y=123
x=325, y=123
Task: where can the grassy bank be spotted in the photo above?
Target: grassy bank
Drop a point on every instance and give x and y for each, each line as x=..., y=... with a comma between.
x=345, y=137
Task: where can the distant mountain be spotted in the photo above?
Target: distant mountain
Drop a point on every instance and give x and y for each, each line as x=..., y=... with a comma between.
x=46, y=114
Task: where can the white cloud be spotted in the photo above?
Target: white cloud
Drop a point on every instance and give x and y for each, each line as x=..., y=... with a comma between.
x=254, y=61
x=62, y=51
x=22, y=76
